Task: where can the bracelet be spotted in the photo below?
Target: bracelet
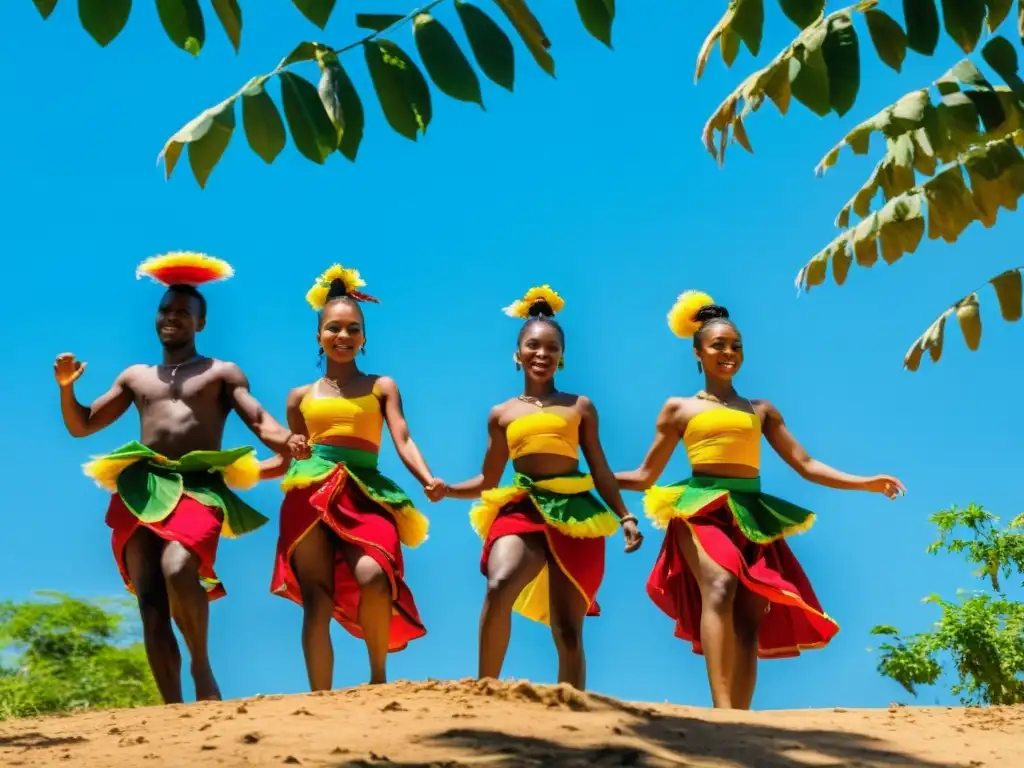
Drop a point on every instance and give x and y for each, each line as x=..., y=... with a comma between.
x=628, y=519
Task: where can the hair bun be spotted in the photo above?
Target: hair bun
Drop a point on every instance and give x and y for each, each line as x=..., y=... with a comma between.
x=541, y=308
x=711, y=312
x=337, y=289
x=539, y=301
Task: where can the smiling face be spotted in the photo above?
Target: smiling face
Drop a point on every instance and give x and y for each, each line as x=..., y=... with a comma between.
x=179, y=318
x=342, y=333
x=540, y=350
x=720, y=349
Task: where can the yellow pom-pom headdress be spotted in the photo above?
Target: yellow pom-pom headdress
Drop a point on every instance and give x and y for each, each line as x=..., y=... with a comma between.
x=682, y=318
x=184, y=268
x=317, y=295
x=543, y=293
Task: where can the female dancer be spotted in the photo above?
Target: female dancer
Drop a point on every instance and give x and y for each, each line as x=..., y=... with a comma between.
x=543, y=551
x=725, y=572
x=342, y=522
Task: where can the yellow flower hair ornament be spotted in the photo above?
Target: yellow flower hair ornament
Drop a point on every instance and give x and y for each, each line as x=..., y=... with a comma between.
x=184, y=268
x=682, y=318
x=543, y=293
x=317, y=295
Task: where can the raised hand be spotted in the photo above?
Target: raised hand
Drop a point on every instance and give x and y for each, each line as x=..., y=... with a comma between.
x=887, y=485
x=67, y=369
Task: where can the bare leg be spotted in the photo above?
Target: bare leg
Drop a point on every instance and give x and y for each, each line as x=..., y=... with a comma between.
x=717, y=630
x=513, y=563
x=375, y=607
x=191, y=610
x=748, y=612
x=142, y=558
x=313, y=564
x=568, y=609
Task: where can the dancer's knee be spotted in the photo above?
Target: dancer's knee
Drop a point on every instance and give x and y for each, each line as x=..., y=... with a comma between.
x=179, y=568
x=317, y=600
x=372, y=578
x=568, y=636
x=502, y=588
x=718, y=592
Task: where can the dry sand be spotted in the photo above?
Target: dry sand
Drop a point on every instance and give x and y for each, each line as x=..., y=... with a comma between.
x=487, y=723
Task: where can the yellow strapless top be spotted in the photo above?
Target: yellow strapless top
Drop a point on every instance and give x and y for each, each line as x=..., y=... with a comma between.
x=357, y=417
x=544, y=432
x=724, y=436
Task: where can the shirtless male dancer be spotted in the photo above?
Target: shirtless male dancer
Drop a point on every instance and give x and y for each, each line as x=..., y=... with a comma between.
x=170, y=504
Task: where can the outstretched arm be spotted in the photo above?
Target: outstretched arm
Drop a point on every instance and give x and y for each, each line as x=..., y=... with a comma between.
x=277, y=464
x=604, y=480
x=495, y=459
x=254, y=416
x=782, y=441
x=666, y=437
x=394, y=415
x=81, y=420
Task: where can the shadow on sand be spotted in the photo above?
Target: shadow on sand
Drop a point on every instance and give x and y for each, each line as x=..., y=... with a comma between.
x=668, y=740
x=37, y=740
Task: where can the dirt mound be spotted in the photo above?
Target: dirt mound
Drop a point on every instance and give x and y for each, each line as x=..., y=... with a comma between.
x=490, y=723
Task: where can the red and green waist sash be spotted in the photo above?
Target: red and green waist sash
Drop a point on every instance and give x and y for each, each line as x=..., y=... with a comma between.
x=566, y=503
x=151, y=485
x=334, y=465
x=761, y=518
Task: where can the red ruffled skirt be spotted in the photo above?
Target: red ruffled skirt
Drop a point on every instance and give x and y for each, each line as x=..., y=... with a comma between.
x=195, y=526
x=580, y=559
x=356, y=519
x=795, y=620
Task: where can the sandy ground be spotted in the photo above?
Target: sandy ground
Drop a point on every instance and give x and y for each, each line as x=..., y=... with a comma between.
x=486, y=723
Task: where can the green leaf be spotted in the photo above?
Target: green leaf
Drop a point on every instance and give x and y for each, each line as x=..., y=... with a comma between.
x=317, y=11
x=104, y=19
x=305, y=51
x=264, y=129
x=230, y=15
x=803, y=13
x=964, y=21
x=998, y=10
x=312, y=130
x=401, y=90
x=183, y=22
x=748, y=23
x=447, y=66
x=921, y=19
x=597, y=17
x=149, y=493
x=342, y=103
x=530, y=31
x=888, y=37
x=45, y=7
x=809, y=81
x=204, y=153
x=841, y=50
x=378, y=22
x=1000, y=54
x=194, y=130
x=490, y=45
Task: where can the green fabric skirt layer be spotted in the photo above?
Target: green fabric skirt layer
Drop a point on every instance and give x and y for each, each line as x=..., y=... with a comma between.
x=762, y=518
x=566, y=503
x=151, y=485
x=327, y=461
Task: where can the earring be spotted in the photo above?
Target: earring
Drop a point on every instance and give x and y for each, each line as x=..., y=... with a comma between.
x=561, y=364
x=320, y=358
x=700, y=368
x=519, y=364
x=363, y=348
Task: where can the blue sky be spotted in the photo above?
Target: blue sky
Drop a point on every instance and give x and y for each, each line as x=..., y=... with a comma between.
x=596, y=183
